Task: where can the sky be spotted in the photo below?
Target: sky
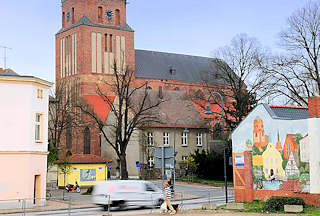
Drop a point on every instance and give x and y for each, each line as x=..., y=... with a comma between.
x=193, y=27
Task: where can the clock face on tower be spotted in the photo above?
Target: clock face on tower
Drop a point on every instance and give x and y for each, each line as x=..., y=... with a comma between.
x=109, y=14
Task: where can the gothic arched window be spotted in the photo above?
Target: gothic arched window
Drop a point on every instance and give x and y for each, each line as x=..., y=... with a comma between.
x=69, y=133
x=117, y=17
x=87, y=141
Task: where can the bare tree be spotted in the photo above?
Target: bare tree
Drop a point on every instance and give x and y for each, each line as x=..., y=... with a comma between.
x=237, y=67
x=62, y=111
x=131, y=109
x=295, y=73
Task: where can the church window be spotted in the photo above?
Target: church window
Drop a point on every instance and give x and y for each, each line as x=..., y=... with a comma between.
x=87, y=141
x=110, y=43
x=100, y=14
x=72, y=16
x=69, y=133
x=63, y=19
x=117, y=17
x=106, y=43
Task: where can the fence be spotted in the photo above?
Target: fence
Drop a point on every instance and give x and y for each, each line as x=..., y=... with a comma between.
x=73, y=202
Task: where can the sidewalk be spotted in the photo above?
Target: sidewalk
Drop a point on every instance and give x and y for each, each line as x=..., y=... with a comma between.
x=216, y=213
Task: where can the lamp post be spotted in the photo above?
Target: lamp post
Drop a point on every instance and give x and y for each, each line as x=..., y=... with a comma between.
x=174, y=147
x=208, y=111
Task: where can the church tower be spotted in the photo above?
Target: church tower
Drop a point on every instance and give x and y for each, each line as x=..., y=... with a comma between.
x=94, y=35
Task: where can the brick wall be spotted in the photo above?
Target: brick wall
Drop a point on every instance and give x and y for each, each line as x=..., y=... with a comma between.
x=288, y=189
x=314, y=106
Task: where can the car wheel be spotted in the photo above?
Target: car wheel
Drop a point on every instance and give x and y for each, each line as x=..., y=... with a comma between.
x=78, y=190
x=122, y=205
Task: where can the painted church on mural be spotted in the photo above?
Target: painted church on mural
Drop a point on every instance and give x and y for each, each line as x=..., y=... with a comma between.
x=94, y=35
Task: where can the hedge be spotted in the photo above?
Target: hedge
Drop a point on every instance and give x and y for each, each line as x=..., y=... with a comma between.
x=276, y=203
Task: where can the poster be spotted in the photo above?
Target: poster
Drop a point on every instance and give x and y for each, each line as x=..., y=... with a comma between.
x=239, y=161
x=87, y=174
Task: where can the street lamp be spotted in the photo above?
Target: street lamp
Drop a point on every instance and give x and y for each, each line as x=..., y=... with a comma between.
x=174, y=147
x=208, y=111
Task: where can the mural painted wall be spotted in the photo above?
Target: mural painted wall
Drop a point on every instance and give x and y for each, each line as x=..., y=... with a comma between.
x=280, y=150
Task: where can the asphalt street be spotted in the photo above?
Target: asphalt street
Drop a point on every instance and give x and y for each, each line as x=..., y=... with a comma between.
x=200, y=195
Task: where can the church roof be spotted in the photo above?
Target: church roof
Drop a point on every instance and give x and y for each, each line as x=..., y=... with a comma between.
x=171, y=66
x=99, y=105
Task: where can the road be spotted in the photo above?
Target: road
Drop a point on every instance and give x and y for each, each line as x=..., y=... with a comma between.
x=201, y=195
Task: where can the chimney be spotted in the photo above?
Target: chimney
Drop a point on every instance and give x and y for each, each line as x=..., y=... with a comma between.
x=160, y=92
x=172, y=70
x=314, y=106
x=1, y=69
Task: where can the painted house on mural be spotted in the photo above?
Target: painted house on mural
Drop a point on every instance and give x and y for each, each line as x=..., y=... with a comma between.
x=24, y=138
x=279, y=163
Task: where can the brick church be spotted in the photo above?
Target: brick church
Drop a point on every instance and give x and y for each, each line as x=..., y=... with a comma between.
x=94, y=35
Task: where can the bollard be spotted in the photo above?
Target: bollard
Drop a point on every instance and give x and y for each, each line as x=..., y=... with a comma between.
x=109, y=205
x=24, y=207
x=69, y=205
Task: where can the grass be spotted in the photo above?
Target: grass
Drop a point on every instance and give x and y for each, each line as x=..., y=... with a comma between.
x=203, y=180
x=257, y=207
x=311, y=210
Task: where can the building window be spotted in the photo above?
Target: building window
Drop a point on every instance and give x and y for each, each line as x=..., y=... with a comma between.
x=106, y=42
x=110, y=43
x=39, y=93
x=38, y=126
x=199, y=139
x=150, y=139
x=69, y=133
x=151, y=161
x=184, y=158
x=184, y=140
x=72, y=16
x=165, y=138
x=63, y=19
x=87, y=141
x=100, y=14
x=117, y=17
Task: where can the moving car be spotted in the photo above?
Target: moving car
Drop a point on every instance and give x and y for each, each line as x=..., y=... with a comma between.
x=124, y=193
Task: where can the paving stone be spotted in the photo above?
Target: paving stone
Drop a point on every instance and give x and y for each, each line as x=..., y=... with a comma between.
x=235, y=206
x=209, y=207
x=293, y=208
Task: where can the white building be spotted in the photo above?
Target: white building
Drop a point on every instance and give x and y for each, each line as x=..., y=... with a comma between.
x=24, y=138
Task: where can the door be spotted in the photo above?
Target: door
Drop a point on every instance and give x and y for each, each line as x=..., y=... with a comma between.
x=36, y=191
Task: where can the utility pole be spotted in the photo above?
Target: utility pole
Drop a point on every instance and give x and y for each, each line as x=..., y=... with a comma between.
x=5, y=55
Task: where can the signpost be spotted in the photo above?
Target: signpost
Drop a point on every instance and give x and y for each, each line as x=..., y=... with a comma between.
x=164, y=159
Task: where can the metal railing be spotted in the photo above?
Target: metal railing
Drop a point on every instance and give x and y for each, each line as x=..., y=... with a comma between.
x=70, y=204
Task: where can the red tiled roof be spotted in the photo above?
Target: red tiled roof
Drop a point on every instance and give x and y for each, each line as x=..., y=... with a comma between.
x=87, y=158
x=201, y=107
x=293, y=107
x=101, y=107
x=214, y=108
